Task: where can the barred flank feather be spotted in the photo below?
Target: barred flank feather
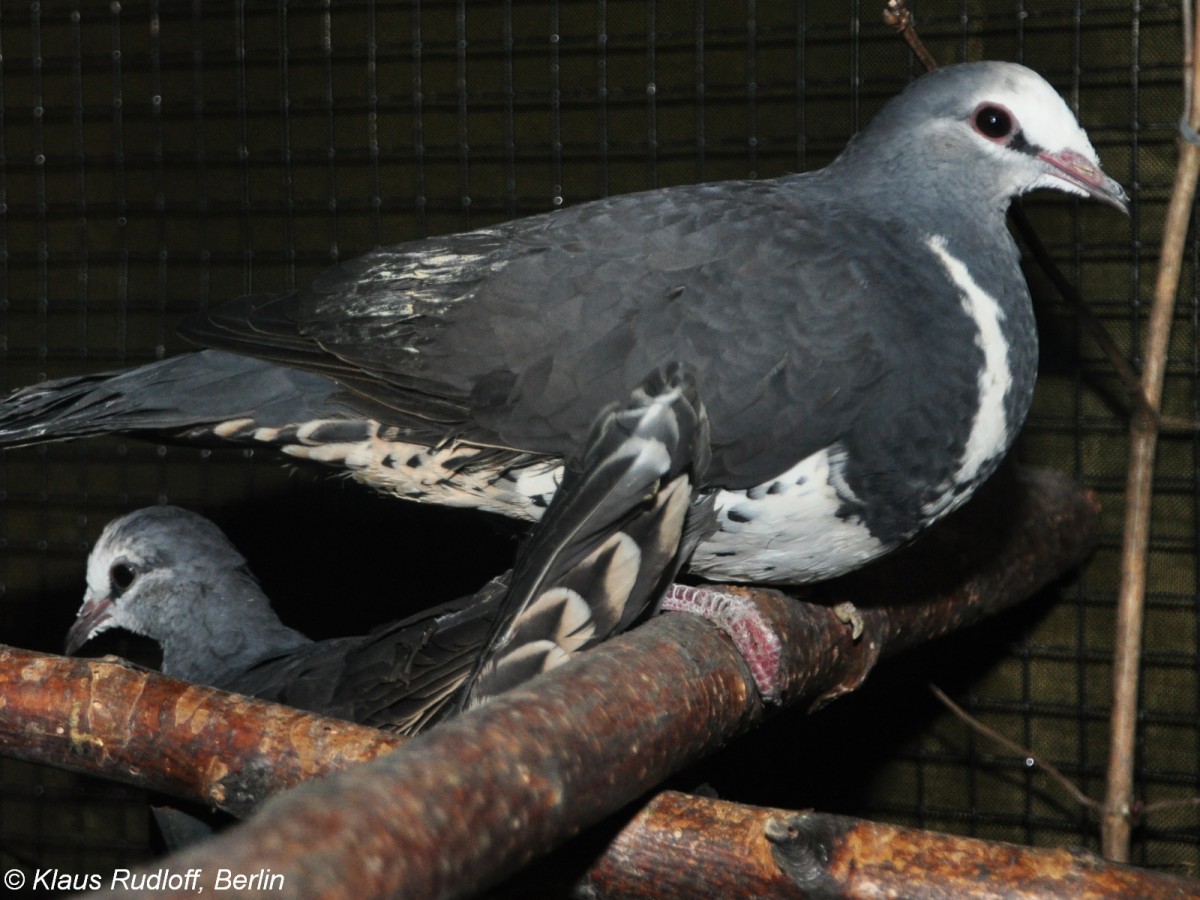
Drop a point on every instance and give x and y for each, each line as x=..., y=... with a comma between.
x=611, y=541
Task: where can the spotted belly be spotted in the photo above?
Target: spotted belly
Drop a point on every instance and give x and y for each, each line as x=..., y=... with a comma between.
x=796, y=528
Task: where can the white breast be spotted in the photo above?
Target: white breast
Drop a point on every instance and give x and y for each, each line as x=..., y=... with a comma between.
x=788, y=529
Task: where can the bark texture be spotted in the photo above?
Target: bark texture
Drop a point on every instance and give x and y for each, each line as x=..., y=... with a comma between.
x=471, y=801
x=680, y=847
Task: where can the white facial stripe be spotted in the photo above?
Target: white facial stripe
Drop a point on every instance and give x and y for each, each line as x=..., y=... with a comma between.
x=989, y=431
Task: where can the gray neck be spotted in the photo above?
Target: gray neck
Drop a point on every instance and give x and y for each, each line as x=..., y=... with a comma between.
x=226, y=634
x=915, y=178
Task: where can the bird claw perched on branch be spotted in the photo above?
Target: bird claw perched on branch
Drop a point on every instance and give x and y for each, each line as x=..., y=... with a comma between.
x=673, y=688
x=759, y=646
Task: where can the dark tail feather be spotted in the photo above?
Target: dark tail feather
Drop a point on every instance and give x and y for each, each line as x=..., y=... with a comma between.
x=402, y=677
x=177, y=398
x=610, y=541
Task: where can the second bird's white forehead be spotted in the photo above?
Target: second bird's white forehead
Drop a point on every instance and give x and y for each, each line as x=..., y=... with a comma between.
x=103, y=555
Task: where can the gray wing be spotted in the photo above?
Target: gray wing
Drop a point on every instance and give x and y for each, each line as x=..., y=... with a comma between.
x=176, y=398
x=514, y=336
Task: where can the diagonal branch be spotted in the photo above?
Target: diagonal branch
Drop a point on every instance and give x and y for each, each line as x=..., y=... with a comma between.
x=1013, y=747
x=477, y=797
x=897, y=15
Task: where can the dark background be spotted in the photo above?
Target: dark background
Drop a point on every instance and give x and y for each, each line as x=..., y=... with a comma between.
x=156, y=158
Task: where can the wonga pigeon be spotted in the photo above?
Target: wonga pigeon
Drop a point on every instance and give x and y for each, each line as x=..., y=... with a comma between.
x=862, y=337
x=610, y=542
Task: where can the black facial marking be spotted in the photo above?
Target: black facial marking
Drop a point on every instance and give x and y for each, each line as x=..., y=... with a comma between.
x=1019, y=142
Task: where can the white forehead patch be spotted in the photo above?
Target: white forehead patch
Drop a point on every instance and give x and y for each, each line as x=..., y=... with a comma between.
x=1042, y=114
x=101, y=558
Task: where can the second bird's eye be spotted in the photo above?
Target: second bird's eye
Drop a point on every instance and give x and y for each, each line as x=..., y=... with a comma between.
x=121, y=576
x=993, y=122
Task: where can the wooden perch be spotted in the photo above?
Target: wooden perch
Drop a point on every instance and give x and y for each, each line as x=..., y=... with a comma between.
x=104, y=717
x=680, y=846
x=477, y=797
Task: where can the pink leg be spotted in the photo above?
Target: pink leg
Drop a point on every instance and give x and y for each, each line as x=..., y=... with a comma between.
x=740, y=619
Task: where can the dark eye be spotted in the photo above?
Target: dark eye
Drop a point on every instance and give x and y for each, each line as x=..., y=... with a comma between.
x=993, y=122
x=120, y=577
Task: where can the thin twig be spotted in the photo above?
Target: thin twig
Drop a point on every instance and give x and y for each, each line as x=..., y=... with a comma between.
x=1013, y=747
x=1137, y=810
x=1188, y=49
x=900, y=17
x=1115, y=825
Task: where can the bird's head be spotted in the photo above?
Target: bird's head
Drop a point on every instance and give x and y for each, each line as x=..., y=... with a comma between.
x=990, y=129
x=143, y=571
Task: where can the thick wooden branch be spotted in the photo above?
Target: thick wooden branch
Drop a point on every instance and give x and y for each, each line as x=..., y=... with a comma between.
x=679, y=846
x=474, y=799
x=107, y=718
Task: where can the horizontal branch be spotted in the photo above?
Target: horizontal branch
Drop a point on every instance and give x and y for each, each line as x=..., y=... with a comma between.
x=104, y=717
x=475, y=798
x=683, y=846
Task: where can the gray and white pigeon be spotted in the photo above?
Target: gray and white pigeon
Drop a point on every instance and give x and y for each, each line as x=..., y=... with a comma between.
x=862, y=336
x=610, y=542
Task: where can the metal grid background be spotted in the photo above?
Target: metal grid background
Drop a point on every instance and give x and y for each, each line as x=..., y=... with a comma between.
x=159, y=157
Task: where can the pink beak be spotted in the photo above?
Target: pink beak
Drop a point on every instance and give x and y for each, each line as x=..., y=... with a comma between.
x=92, y=615
x=1075, y=168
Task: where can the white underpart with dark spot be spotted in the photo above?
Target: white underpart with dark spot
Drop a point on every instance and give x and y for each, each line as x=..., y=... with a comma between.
x=990, y=433
x=788, y=529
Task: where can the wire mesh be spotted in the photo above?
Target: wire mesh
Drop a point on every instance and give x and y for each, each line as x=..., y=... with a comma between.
x=157, y=158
